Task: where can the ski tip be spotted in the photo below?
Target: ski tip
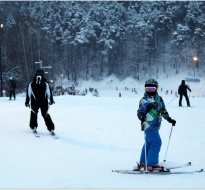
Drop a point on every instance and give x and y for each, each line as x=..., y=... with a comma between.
x=115, y=170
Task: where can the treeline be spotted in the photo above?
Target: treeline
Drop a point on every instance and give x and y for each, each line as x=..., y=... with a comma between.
x=88, y=39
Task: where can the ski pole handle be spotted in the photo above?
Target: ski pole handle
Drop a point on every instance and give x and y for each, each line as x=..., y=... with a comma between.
x=142, y=126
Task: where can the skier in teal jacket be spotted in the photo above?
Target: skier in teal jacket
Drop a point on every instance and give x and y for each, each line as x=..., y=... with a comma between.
x=150, y=112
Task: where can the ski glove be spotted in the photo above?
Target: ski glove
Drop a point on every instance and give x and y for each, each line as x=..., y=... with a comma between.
x=172, y=121
x=142, y=119
x=52, y=102
x=27, y=104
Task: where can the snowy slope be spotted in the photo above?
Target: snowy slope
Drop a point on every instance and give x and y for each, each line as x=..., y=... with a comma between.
x=96, y=135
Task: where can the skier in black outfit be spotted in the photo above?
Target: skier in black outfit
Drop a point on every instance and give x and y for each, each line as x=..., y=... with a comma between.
x=12, y=88
x=37, y=96
x=182, y=91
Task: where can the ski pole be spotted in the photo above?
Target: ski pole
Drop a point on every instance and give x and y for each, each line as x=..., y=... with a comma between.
x=168, y=144
x=172, y=100
x=145, y=152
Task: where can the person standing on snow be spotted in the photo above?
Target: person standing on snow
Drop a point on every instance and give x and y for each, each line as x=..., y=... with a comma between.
x=182, y=91
x=37, y=96
x=150, y=112
x=12, y=88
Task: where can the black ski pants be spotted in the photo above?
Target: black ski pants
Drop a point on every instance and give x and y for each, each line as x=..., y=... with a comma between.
x=44, y=112
x=12, y=93
x=186, y=97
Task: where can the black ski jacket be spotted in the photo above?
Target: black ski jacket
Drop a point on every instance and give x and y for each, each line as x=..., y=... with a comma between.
x=183, y=88
x=12, y=84
x=39, y=92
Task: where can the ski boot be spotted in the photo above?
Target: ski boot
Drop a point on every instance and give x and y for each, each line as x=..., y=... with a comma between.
x=52, y=133
x=139, y=167
x=157, y=168
x=34, y=130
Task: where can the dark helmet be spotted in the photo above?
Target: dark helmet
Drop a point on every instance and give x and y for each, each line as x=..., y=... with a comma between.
x=183, y=81
x=40, y=72
x=151, y=83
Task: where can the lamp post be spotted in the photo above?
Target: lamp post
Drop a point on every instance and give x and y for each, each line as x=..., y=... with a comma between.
x=1, y=72
x=195, y=60
x=61, y=80
x=41, y=65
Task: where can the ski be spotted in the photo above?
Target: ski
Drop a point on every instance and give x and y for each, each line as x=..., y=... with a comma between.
x=178, y=166
x=187, y=172
x=36, y=134
x=54, y=135
x=157, y=172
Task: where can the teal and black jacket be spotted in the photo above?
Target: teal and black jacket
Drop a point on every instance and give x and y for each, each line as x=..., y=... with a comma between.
x=152, y=108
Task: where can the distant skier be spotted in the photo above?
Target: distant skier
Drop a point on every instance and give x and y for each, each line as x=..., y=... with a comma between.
x=182, y=91
x=12, y=88
x=38, y=93
x=151, y=108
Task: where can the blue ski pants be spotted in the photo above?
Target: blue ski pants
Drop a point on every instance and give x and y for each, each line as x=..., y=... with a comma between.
x=153, y=144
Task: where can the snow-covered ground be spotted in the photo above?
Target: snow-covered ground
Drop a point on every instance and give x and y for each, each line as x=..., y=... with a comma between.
x=97, y=135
